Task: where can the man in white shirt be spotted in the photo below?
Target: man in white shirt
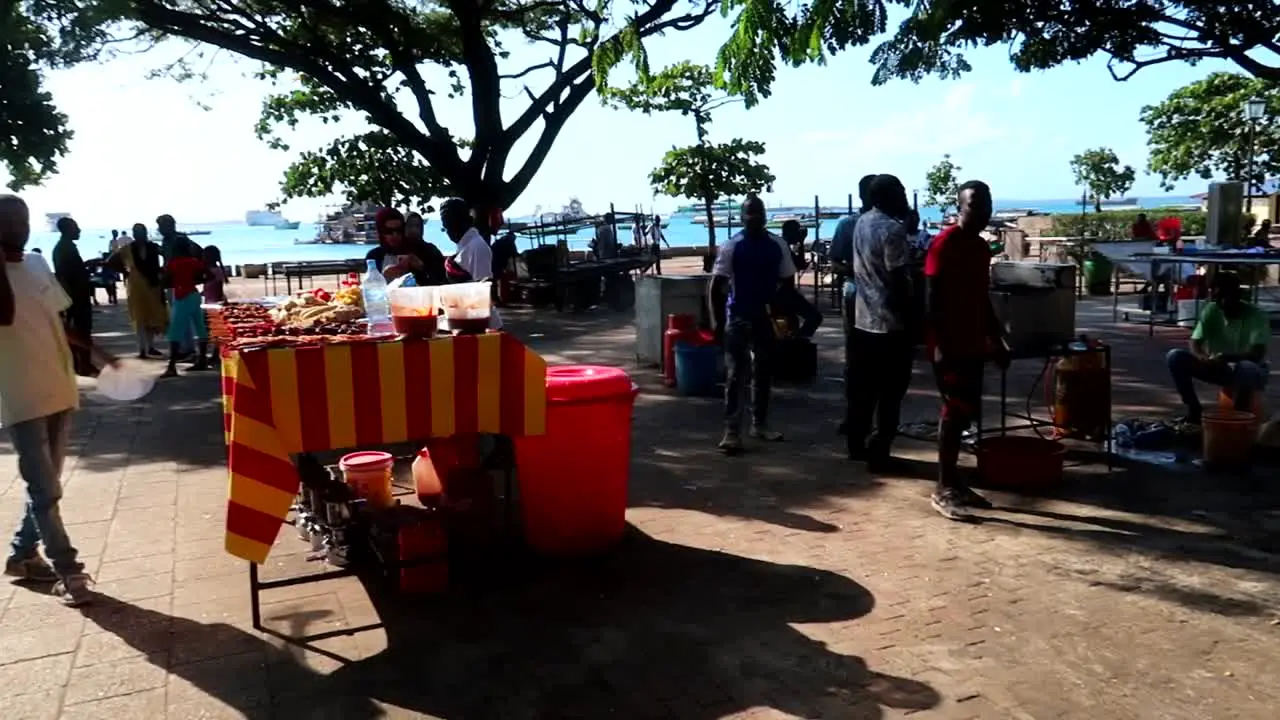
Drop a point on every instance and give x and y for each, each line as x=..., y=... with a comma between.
x=38, y=393
x=473, y=262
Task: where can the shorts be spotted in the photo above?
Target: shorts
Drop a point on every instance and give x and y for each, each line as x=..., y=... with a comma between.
x=960, y=384
x=187, y=316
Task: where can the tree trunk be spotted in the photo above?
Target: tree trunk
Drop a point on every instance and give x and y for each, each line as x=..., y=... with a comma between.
x=710, y=259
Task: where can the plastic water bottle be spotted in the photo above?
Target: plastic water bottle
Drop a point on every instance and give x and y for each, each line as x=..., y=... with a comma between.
x=376, y=307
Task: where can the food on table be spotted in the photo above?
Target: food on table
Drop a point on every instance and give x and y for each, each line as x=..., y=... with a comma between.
x=415, y=326
x=349, y=296
x=309, y=310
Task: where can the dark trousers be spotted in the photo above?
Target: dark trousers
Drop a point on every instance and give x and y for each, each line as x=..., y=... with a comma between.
x=748, y=358
x=847, y=305
x=879, y=374
x=79, y=320
x=960, y=384
x=790, y=301
x=1241, y=379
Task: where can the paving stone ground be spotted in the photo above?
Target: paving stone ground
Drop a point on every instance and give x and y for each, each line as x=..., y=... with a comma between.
x=784, y=583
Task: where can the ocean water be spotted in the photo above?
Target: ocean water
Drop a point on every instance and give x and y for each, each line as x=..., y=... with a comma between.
x=241, y=244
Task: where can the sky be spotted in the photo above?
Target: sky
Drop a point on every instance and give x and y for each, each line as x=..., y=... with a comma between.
x=145, y=146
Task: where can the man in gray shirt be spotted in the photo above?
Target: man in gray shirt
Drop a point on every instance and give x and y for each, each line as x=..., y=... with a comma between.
x=841, y=255
x=880, y=346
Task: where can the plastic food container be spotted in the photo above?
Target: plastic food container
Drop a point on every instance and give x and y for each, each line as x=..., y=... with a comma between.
x=467, y=306
x=413, y=311
x=368, y=474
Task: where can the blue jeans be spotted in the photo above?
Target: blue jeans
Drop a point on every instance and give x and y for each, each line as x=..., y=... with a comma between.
x=41, y=445
x=1242, y=378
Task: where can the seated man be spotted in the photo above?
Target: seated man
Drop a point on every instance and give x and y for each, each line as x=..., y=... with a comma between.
x=1228, y=349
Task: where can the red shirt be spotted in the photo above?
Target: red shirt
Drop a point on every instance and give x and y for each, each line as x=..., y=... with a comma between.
x=183, y=275
x=961, y=262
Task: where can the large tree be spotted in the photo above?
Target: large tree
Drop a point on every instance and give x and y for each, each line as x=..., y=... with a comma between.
x=356, y=57
x=1200, y=130
x=1040, y=34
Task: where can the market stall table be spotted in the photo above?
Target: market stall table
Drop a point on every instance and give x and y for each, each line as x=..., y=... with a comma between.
x=282, y=401
x=1212, y=260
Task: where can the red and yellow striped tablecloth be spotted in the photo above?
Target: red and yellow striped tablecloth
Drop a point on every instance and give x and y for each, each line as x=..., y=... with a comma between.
x=282, y=401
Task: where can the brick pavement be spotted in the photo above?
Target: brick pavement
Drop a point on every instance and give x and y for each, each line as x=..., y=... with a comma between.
x=783, y=583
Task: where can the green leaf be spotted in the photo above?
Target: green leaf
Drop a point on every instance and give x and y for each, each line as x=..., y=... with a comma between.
x=1099, y=172
x=1200, y=131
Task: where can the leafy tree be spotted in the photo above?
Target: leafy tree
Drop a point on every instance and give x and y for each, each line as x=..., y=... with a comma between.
x=1200, y=130
x=336, y=58
x=1040, y=34
x=35, y=37
x=1099, y=171
x=705, y=171
x=942, y=186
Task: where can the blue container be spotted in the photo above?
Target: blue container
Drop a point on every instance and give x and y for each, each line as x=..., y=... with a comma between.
x=697, y=368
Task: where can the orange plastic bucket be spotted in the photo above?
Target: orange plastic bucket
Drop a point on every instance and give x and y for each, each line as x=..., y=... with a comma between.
x=368, y=474
x=1228, y=437
x=1020, y=462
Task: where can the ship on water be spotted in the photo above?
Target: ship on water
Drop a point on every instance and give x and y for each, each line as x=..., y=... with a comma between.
x=53, y=218
x=263, y=218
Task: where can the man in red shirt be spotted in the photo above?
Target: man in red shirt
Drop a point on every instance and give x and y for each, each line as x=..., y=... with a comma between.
x=184, y=271
x=962, y=331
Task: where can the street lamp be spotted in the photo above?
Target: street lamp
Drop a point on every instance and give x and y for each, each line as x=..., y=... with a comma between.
x=1254, y=109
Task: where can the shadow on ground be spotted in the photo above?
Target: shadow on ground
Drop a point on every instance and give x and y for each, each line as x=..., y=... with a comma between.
x=652, y=630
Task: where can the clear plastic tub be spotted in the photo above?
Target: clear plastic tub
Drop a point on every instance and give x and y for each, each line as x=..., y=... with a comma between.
x=414, y=310
x=467, y=307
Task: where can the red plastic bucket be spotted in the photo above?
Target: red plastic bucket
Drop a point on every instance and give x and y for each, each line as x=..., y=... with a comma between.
x=1020, y=462
x=573, y=480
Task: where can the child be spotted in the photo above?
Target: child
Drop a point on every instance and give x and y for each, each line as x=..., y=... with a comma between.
x=108, y=278
x=183, y=273
x=215, y=278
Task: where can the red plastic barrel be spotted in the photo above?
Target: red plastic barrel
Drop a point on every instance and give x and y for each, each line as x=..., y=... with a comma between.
x=573, y=480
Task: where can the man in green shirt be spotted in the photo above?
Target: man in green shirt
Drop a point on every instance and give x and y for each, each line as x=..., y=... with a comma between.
x=1228, y=349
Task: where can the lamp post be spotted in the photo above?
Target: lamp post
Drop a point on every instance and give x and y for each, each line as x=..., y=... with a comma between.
x=1254, y=109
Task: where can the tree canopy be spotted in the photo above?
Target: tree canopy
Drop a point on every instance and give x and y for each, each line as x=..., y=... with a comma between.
x=704, y=171
x=942, y=185
x=1200, y=130
x=1043, y=34
x=1099, y=172
x=333, y=58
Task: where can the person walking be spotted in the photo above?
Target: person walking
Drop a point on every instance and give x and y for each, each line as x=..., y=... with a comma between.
x=962, y=331
x=38, y=394
x=143, y=285
x=880, y=349
x=73, y=274
x=745, y=279
x=174, y=244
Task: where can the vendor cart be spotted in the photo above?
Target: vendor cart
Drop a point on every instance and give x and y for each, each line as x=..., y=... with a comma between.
x=285, y=403
x=555, y=275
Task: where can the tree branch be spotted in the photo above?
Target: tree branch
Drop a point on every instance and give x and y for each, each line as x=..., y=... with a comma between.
x=548, y=65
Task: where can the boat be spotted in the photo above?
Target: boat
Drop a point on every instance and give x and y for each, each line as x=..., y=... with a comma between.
x=288, y=225
x=627, y=226
x=196, y=233
x=1119, y=203
x=348, y=225
x=263, y=218
x=53, y=218
x=572, y=212
x=719, y=206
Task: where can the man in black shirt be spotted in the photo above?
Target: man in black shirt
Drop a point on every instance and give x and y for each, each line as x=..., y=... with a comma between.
x=73, y=274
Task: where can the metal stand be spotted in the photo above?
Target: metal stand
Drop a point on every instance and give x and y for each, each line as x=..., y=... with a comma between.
x=257, y=585
x=1031, y=422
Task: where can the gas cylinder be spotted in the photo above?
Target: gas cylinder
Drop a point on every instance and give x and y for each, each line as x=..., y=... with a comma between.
x=679, y=327
x=1082, y=393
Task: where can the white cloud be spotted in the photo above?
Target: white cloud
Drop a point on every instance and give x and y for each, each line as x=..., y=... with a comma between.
x=1015, y=88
